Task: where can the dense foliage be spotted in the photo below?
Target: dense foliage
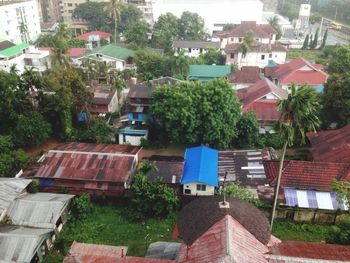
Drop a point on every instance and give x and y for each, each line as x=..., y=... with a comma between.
x=340, y=233
x=248, y=130
x=82, y=206
x=195, y=113
x=239, y=192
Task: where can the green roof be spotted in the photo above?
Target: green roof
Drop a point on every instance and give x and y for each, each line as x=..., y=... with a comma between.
x=11, y=51
x=113, y=51
x=207, y=72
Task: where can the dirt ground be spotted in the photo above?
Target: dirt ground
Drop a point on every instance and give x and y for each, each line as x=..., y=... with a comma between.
x=48, y=145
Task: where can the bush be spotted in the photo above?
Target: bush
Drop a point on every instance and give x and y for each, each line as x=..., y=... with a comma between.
x=33, y=187
x=271, y=140
x=82, y=206
x=239, y=192
x=340, y=234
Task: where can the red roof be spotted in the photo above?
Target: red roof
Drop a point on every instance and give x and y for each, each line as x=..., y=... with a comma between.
x=331, y=146
x=299, y=71
x=264, y=110
x=260, y=31
x=247, y=74
x=226, y=241
x=102, y=35
x=293, y=249
x=76, y=52
x=307, y=175
x=100, y=148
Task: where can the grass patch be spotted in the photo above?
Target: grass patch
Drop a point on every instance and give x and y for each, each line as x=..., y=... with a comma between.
x=108, y=225
x=288, y=230
x=314, y=55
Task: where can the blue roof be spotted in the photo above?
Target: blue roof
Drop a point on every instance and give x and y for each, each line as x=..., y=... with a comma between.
x=201, y=166
x=319, y=88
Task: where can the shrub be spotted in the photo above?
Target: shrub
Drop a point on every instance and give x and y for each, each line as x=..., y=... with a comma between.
x=239, y=192
x=271, y=140
x=33, y=187
x=82, y=206
x=340, y=233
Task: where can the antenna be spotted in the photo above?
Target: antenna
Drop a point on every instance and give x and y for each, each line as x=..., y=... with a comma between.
x=224, y=204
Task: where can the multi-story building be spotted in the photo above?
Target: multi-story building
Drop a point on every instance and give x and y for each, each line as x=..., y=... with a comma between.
x=50, y=11
x=19, y=21
x=146, y=7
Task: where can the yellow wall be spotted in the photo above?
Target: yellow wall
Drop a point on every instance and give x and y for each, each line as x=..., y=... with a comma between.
x=193, y=187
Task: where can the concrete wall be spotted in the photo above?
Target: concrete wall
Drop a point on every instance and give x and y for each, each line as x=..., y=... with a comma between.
x=255, y=59
x=193, y=187
x=131, y=139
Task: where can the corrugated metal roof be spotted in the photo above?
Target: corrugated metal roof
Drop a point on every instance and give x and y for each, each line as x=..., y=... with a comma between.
x=98, y=148
x=40, y=210
x=10, y=189
x=19, y=244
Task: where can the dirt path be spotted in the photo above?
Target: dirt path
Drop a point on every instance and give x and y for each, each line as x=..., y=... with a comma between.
x=48, y=145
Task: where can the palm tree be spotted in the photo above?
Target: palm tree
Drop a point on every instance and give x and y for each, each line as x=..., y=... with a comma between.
x=246, y=45
x=273, y=21
x=114, y=8
x=23, y=29
x=299, y=115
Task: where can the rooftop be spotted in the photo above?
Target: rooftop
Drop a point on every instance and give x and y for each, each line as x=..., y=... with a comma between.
x=113, y=51
x=102, y=96
x=247, y=75
x=259, y=31
x=88, y=36
x=76, y=52
x=257, y=47
x=207, y=72
x=5, y=45
x=13, y=50
x=167, y=168
x=196, y=44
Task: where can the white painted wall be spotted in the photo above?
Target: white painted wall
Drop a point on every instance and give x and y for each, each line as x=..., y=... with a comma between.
x=12, y=15
x=195, y=52
x=255, y=59
x=193, y=187
x=113, y=106
x=132, y=140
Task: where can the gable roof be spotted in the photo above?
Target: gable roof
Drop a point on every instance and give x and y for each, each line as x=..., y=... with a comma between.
x=195, y=44
x=113, y=51
x=167, y=167
x=259, y=31
x=87, y=36
x=102, y=96
x=5, y=44
x=247, y=75
x=208, y=71
x=13, y=50
x=307, y=175
x=331, y=146
x=291, y=72
x=76, y=52
x=201, y=165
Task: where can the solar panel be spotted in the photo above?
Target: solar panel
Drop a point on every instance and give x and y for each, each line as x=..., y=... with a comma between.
x=291, y=197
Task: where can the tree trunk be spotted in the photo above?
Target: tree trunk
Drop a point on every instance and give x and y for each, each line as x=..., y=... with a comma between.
x=278, y=184
x=115, y=31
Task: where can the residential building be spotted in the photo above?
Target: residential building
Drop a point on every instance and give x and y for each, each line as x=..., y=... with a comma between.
x=94, y=38
x=308, y=184
x=97, y=169
x=138, y=102
x=298, y=71
x=146, y=7
x=23, y=56
x=105, y=100
x=50, y=11
x=114, y=56
x=194, y=48
x=245, y=77
x=200, y=175
x=19, y=21
x=261, y=98
x=205, y=73
x=331, y=145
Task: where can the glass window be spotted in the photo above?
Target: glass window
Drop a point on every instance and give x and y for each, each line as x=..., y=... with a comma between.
x=201, y=187
x=262, y=57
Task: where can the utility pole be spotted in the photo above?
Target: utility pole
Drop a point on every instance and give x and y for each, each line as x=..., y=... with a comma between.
x=321, y=25
x=336, y=13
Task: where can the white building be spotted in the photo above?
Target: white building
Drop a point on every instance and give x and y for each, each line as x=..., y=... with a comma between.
x=194, y=48
x=19, y=21
x=302, y=24
x=146, y=7
x=23, y=56
x=213, y=12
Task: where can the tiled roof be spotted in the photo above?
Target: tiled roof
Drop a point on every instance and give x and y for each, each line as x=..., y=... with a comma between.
x=259, y=31
x=307, y=175
x=76, y=52
x=196, y=44
x=225, y=241
x=288, y=250
x=292, y=72
x=264, y=110
x=331, y=146
x=113, y=51
x=102, y=35
x=247, y=74
x=257, y=47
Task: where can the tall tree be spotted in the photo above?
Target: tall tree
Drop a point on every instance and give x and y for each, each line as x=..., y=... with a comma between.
x=324, y=40
x=129, y=15
x=247, y=44
x=311, y=41
x=92, y=12
x=228, y=27
x=137, y=34
x=314, y=43
x=306, y=42
x=273, y=21
x=340, y=62
x=299, y=115
x=191, y=26
x=165, y=31
x=113, y=9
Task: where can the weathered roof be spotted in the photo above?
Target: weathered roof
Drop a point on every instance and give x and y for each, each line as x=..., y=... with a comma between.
x=10, y=189
x=102, y=96
x=264, y=110
x=5, y=44
x=257, y=47
x=225, y=241
x=101, y=34
x=163, y=250
x=76, y=52
x=201, y=166
x=307, y=175
x=331, y=146
x=198, y=72
x=195, y=44
x=40, y=210
x=13, y=50
x=19, y=244
x=259, y=31
x=113, y=51
x=166, y=169
x=247, y=74
x=199, y=215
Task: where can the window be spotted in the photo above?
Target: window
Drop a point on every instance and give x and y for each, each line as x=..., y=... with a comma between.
x=270, y=55
x=232, y=55
x=262, y=57
x=187, y=191
x=231, y=39
x=240, y=39
x=201, y=187
x=135, y=115
x=189, y=49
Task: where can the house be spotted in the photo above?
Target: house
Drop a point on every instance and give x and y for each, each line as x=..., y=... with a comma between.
x=76, y=52
x=331, y=146
x=298, y=71
x=261, y=98
x=97, y=169
x=264, y=48
x=200, y=175
x=23, y=56
x=114, y=56
x=308, y=184
x=105, y=100
x=194, y=48
x=206, y=73
x=245, y=77
x=94, y=38
x=139, y=100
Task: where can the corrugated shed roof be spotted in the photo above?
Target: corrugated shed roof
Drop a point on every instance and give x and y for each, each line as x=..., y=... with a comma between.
x=40, y=210
x=196, y=44
x=14, y=50
x=163, y=250
x=201, y=165
x=98, y=148
x=19, y=244
x=166, y=170
x=76, y=52
x=113, y=51
x=10, y=189
x=208, y=71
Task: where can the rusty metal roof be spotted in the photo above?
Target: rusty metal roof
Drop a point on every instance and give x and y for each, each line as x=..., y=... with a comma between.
x=98, y=148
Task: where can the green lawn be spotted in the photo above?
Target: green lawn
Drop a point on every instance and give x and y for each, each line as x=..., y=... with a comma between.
x=307, y=54
x=107, y=225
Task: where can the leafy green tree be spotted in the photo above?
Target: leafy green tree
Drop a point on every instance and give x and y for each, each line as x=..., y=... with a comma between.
x=340, y=62
x=129, y=15
x=98, y=131
x=94, y=13
x=82, y=206
x=151, y=199
x=324, y=40
x=299, y=115
x=247, y=44
x=306, y=42
x=213, y=56
x=315, y=18
x=336, y=98
x=149, y=63
x=239, y=192
x=311, y=41
x=273, y=21
x=191, y=26
x=228, y=27
x=195, y=112
x=342, y=188
x=137, y=33
x=248, y=130
x=340, y=233
x=31, y=130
